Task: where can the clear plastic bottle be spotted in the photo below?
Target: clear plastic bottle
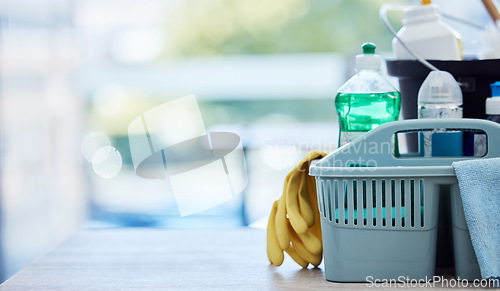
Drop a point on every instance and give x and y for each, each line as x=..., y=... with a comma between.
x=367, y=100
x=440, y=97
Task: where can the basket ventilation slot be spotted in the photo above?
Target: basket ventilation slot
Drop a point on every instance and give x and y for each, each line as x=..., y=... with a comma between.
x=386, y=203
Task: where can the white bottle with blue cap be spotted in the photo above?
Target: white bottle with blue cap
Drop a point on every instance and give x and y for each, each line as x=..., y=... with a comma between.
x=493, y=103
x=492, y=114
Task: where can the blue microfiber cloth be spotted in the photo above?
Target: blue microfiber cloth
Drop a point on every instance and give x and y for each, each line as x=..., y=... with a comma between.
x=479, y=182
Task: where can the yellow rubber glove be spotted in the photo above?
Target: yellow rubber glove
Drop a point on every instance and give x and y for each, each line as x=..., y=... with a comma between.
x=294, y=224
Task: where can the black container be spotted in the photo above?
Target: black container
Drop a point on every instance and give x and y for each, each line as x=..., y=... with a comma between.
x=474, y=77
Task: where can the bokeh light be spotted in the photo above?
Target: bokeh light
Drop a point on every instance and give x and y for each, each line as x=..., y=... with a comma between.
x=92, y=142
x=107, y=162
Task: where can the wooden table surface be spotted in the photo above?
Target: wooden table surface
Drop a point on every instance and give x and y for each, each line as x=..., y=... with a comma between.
x=161, y=259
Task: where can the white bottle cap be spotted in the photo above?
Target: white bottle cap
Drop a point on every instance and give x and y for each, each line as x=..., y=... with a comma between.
x=368, y=60
x=493, y=105
x=440, y=87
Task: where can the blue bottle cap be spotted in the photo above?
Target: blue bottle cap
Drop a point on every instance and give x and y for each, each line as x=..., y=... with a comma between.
x=495, y=89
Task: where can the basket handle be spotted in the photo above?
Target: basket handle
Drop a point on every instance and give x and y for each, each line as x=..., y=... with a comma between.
x=380, y=140
x=492, y=129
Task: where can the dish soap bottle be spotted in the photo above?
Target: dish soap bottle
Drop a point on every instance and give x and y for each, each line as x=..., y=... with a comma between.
x=367, y=100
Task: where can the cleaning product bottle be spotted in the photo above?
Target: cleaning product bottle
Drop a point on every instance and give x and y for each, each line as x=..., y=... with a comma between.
x=493, y=103
x=426, y=35
x=493, y=114
x=440, y=97
x=367, y=100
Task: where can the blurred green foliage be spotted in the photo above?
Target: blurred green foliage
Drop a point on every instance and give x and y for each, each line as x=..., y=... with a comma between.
x=223, y=27
x=229, y=27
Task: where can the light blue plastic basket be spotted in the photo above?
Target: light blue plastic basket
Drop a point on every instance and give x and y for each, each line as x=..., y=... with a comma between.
x=379, y=212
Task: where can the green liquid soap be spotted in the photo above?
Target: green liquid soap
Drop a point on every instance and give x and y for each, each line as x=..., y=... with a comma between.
x=361, y=112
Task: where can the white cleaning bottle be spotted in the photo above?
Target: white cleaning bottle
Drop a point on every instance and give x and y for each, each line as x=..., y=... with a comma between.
x=440, y=97
x=426, y=35
x=492, y=114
